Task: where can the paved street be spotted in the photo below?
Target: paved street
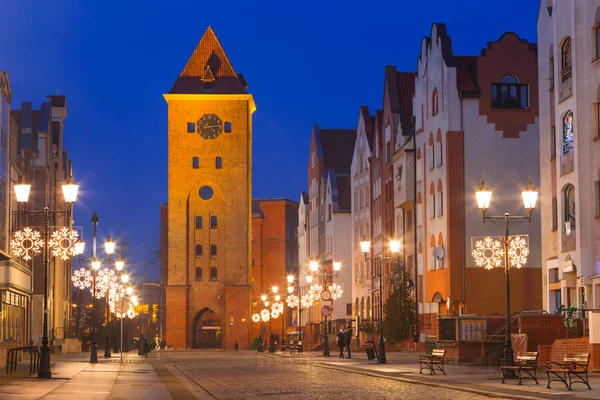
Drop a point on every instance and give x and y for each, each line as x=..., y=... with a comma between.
x=248, y=375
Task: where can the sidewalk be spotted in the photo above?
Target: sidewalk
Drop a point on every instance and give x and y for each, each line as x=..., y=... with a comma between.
x=405, y=366
x=74, y=377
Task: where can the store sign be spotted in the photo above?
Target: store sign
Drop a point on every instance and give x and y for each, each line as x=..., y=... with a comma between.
x=568, y=267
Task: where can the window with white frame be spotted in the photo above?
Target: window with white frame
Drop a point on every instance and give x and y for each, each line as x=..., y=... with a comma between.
x=440, y=154
x=433, y=209
x=440, y=203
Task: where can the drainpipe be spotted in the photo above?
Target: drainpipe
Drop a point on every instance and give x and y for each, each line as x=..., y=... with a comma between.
x=414, y=137
x=463, y=260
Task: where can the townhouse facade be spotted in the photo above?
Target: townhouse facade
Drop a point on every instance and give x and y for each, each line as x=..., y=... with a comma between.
x=569, y=96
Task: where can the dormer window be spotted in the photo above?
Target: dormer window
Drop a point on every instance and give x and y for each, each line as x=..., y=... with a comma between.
x=509, y=93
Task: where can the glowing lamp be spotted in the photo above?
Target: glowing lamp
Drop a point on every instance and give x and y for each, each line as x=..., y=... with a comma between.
x=290, y=278
x=395, y=246
x=70, y=190
x=277, y=297
x=365, y=245
x=22, y=190
x=529, y=197
x=120, y=264
x=314, y=266
x=274, y=289
x=337, y=265
x=124, y=278
x=484, y=197
x=96, y=264
x=309, y=278
x=290, y=289
x=263, y=297
x=79, y=246
x=129, y=291
x=109, y=246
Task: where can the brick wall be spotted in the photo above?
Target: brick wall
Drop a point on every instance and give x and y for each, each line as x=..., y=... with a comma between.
x=542, y=329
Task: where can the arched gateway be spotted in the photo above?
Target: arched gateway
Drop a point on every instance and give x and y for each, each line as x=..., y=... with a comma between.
x=207, y=332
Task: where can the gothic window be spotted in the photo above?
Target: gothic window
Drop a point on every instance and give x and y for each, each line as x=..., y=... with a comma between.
x=198, y=274
x=569, y=203
x=213, y=273
x=213, y=222
x=434, y=102
x=213, y=250
x=568, y=133
x=566, y=59
x=198, y=250
x=198, y=222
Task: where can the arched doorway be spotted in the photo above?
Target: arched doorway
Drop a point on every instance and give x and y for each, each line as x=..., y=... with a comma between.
x=208, y=333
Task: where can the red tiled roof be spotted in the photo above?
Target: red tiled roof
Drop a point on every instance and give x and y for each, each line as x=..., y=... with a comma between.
x=209, y=52
x=466, y=77
x=338, y=148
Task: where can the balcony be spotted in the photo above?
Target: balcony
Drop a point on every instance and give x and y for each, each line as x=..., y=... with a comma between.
x=404, y=180
x=15, y=274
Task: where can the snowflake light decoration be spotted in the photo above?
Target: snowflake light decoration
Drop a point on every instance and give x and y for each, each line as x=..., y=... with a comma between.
x=256, y=317
x=62, y=243
x=518, y=251
x=274, y=314
x=336, y=291
x=306, y=301
x=105, y=278
x=277, y=307
x=131, y=312
x=292, y=301
x=265, y=315
x=315, y=292
x=82, y=278
x=115, y=293
x=27, y=243
x=488, y=253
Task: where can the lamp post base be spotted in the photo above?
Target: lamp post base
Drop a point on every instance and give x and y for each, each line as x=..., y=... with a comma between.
x=107, y=349
x=94, y=353
x=272, y=344
x=44, y=371
x=381, y=356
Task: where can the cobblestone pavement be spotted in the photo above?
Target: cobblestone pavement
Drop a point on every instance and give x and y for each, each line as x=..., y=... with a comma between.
x=248, y=375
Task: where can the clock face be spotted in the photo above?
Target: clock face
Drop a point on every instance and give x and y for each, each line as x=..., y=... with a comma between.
x=210, y=126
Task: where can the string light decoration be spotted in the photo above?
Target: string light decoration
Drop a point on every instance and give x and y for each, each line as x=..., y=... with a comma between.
x=336, y=291
x=27, y=243
x=265, y=315
x=277, y=307
x=82, y=278
x=62, y=243
x=131, y=313
x=115, y=294
x=306, y=301
x=518, y=251
x=488, y=253
x=256, y=317
x=292, y=301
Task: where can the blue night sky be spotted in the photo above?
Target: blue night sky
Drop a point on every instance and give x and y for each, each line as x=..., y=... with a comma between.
x=315, y=62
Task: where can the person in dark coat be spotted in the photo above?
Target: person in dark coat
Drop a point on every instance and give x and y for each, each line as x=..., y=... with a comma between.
x=348, y=340
x=236, y=346
x=341, y=341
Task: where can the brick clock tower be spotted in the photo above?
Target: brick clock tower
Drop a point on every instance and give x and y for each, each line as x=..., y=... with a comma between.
x=210, y=200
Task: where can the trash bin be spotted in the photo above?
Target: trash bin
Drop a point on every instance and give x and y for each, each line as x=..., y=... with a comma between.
x=370, y=353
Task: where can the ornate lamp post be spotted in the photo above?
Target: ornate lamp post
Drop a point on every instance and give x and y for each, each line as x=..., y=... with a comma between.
x=516, y=249
x=365, y=247
x=266, y=315
x=28, y=242
x=325, y=292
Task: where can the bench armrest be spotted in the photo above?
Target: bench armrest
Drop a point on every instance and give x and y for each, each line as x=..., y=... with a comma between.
x=551, y=364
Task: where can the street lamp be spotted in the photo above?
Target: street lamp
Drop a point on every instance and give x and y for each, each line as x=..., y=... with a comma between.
x=62, y=241
x=325, y=293
x=365, y=247
x=484, y=197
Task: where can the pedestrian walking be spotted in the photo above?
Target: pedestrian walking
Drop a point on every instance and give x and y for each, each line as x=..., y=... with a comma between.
x=348, y=340
x=236, y=346
x=341, y=341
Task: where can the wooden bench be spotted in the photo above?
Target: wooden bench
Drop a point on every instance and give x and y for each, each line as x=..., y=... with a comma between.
x=435, y=360
x=526, y=362
x=572, y=365
x=295, y=347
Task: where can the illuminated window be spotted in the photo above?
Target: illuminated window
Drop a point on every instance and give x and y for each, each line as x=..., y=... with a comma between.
x=568, y=133
x=509, y=93
x=566, y=59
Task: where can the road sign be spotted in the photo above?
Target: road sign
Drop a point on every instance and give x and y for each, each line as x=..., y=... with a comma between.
x=326, y=295
x=326, y=311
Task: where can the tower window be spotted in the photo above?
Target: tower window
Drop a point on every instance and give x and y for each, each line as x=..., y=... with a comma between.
x=191, y=127
x=198, y=222
x=213, y=250
x=198, y=250
x=198, y=274
x=206, y=192
x=195, y=163
x=213, y=222
x=213, y=273
x=219, y=163
x=227, y=127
